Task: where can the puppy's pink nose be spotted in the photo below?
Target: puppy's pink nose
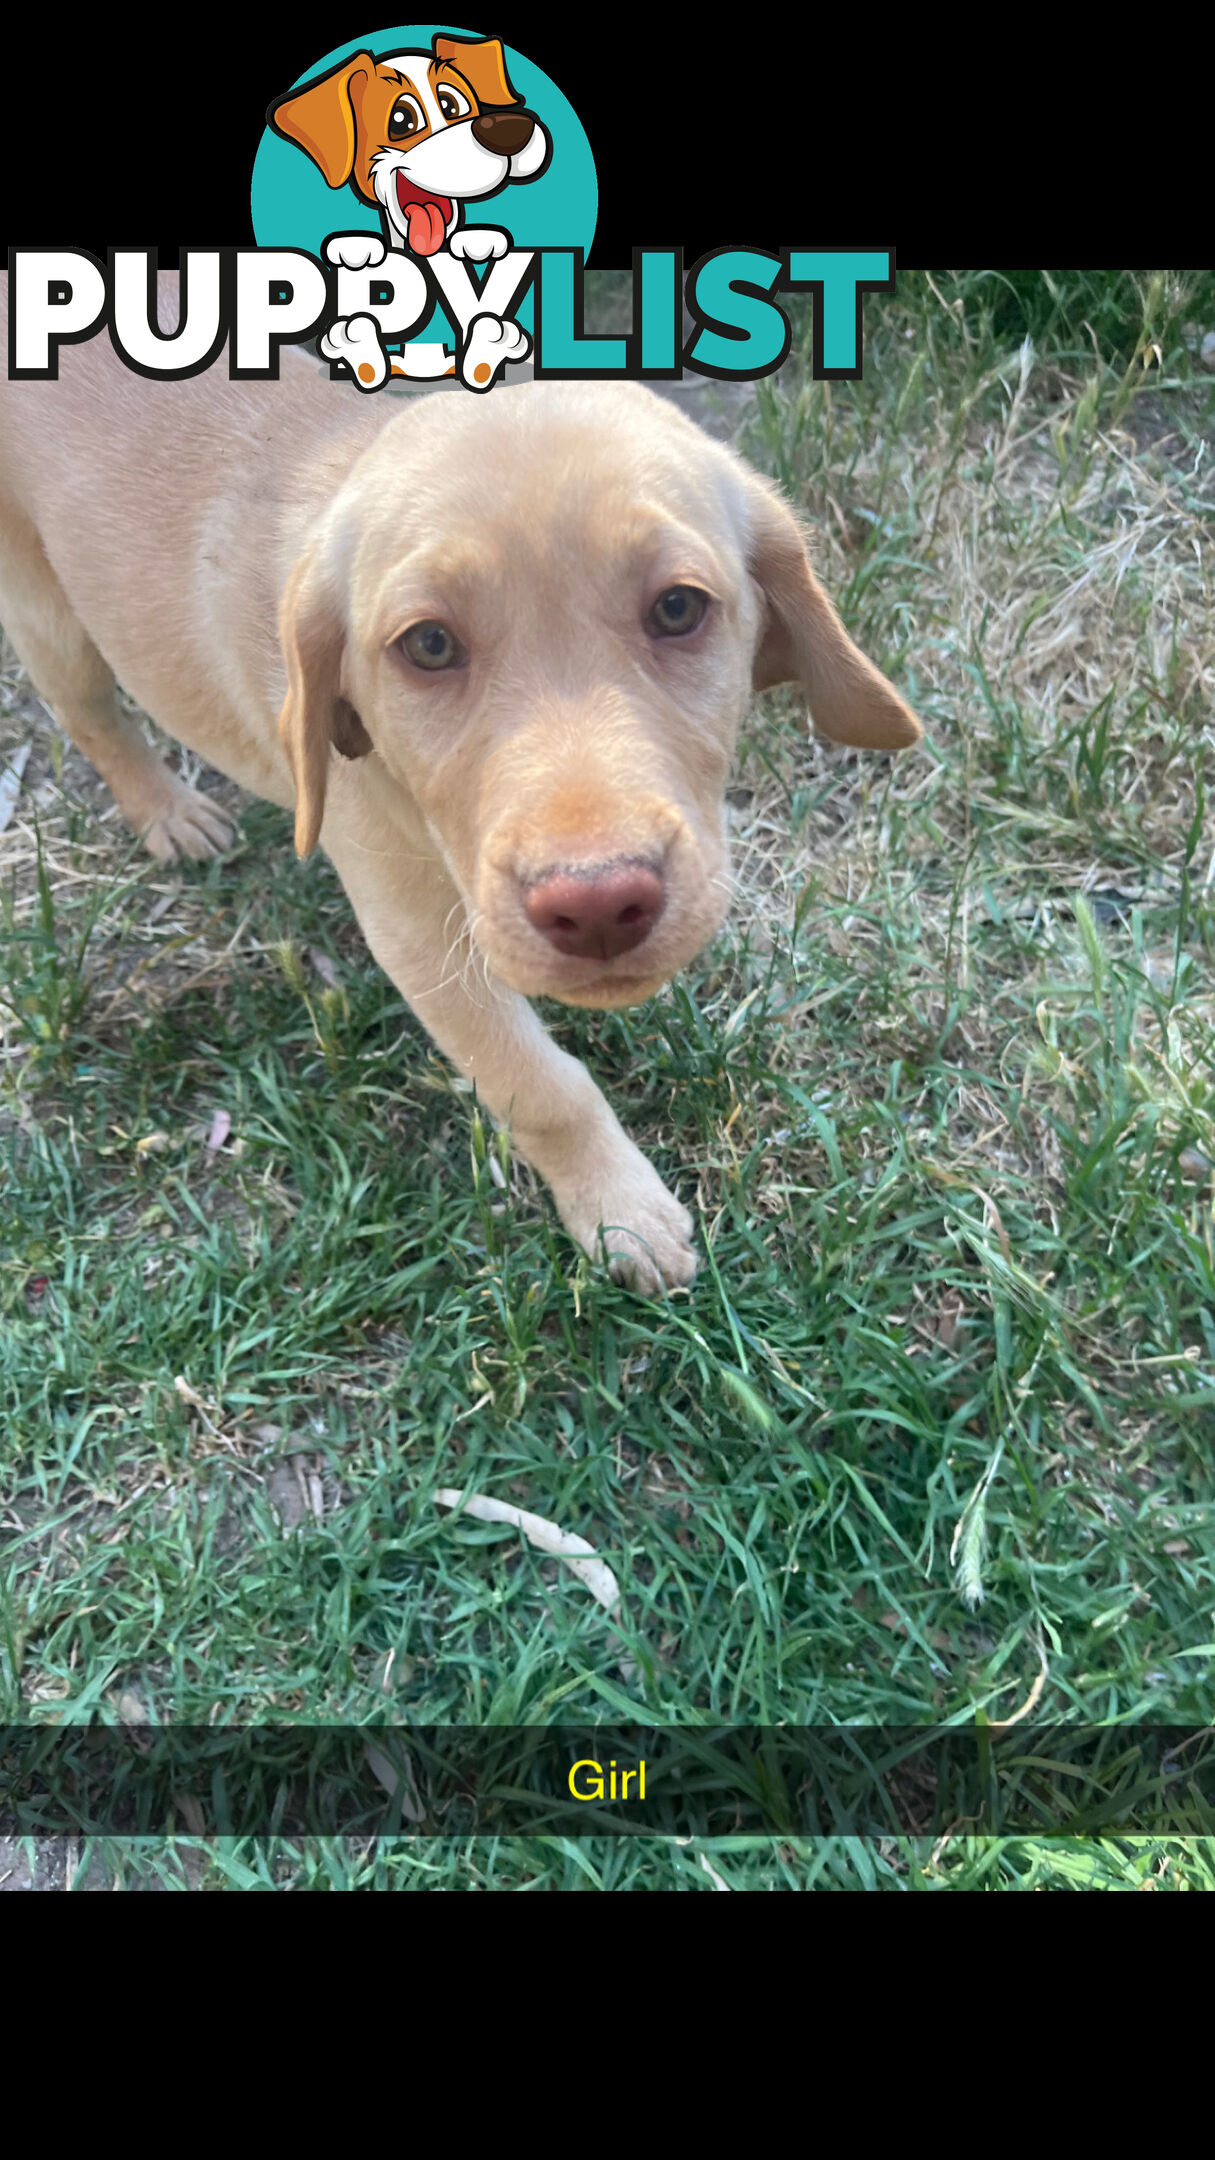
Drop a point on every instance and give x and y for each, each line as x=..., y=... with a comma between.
x=598, y=913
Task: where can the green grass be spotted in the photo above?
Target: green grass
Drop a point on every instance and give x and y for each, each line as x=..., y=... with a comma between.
x=620, y=1863
x=939, y=1414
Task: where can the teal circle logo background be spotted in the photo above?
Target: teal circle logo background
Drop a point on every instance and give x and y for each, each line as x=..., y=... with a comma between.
x=293, y=206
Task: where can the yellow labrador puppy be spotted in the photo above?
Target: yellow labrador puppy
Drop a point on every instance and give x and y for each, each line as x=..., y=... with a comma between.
x=494, y=651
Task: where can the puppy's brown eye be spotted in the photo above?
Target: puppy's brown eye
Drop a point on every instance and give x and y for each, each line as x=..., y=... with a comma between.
x=431, y=645
x=405, y=120
x=451, y=104
x=677, y=611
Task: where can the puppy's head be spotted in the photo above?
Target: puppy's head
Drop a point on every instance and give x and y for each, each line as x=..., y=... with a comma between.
x=545, y=614
x=417, y=133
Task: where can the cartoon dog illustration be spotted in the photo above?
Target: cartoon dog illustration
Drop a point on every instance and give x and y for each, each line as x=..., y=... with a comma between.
x=419, y=134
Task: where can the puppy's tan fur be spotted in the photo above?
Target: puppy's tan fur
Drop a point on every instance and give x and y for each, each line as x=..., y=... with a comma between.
x=244, y=558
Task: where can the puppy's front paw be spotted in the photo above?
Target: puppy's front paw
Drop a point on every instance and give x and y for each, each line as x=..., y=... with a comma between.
x=490, y=344
x=656, y=1252
x=355, y=251
x=177, y=821
x=622, y=1211
x=356, y=344
x=478, y=243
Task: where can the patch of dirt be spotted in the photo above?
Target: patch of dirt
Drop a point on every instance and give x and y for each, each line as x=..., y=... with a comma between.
x=57, y=1862
x=55, y=1865
x=1163, y=430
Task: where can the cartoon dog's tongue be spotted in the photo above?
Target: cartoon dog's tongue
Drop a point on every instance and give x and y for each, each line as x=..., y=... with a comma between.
x=426, y=216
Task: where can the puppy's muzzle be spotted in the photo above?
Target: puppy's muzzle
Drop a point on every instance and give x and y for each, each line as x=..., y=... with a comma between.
x=505, y=133
x=599, y=912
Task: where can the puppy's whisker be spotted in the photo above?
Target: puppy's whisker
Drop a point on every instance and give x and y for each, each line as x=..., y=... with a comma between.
x=468, y=965
x=452, y=970
x=478, y=959
x=461, y=967
x=390, y=854
x=433, y=989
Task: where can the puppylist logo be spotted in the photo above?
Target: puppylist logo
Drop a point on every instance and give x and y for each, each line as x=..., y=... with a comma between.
x=387, y=189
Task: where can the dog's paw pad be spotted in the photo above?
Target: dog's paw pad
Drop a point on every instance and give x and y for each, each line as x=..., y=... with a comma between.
x=188, y=826
x=490, y=345
x=478, y=243
x=355, y=251
x=356, y=344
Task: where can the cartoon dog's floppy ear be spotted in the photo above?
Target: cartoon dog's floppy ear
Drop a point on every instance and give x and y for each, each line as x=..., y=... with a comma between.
x=315, y=716
x=804, y=641
x=322, y=117
x=482, y=63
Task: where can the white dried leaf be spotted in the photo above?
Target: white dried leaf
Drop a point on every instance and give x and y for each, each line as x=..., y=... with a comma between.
x=12, y=765
x=187, y=1394
x=189, y=1807
x=565, y=1545
x=390, y=1778
x=221, y=1126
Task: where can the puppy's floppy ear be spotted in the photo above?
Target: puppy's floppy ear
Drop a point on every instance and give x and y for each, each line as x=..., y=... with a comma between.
x=322, y=118
x=482, y=63
x=804, y=641
x=315, y=716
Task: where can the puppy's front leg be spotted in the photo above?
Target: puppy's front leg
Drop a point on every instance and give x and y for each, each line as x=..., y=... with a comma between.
x=556, y=1115
x=560, y=1123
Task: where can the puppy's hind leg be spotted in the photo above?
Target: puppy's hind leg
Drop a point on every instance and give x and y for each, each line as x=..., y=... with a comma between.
x=69, y=672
